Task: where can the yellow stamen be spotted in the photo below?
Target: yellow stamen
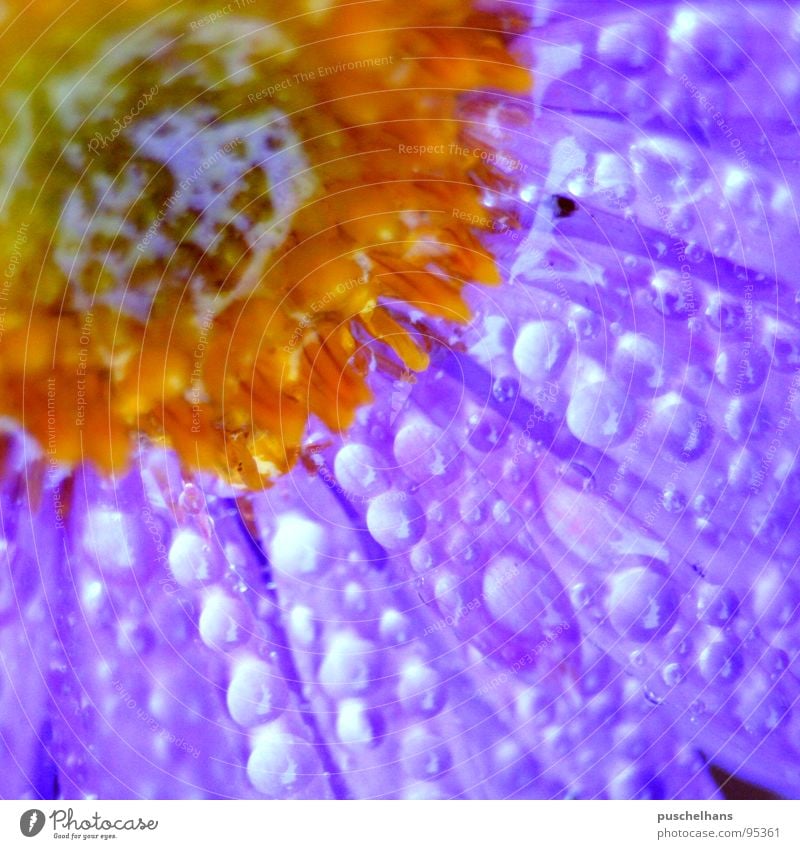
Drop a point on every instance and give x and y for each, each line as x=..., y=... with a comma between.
x=207, y=207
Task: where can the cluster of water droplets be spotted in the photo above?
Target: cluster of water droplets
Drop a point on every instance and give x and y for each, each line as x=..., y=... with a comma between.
x=561, y=563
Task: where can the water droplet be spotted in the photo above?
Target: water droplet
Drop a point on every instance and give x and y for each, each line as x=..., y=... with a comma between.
x=542, y=349
x=281, y=765
x=672, y=674
x=717, y=605
x=601, y=414
x=577, y=476
x=505, y=389
x=652, y=696
x=642, y=603
x=697, y=710
x=395, y=520
x=721, y=662
x=358, y=472
x=673, y=295
x=256, y=694
x=673, y=500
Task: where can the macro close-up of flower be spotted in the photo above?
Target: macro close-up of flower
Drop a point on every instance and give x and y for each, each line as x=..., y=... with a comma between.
x=399, y=400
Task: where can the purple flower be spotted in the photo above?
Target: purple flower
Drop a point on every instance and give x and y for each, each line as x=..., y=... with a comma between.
x=560, y=562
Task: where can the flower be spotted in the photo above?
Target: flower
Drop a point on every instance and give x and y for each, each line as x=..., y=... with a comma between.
x=559, y=561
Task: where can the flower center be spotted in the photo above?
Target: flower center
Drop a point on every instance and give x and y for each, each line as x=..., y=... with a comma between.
x=213, y=214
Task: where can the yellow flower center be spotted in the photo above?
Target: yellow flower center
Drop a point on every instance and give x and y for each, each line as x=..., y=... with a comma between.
x=212, y=213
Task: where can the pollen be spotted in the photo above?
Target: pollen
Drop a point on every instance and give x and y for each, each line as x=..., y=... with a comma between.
x=218, y=219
